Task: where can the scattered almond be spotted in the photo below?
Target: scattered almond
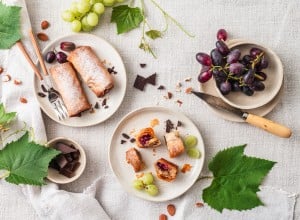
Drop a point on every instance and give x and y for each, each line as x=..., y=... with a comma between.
x=188, y=90
x=199, y=204
x=42, y=36
x=23, y=100
x=188, y=79
x=168, y=96
x=171, y=209
x=17, y=82
x=163, y=217
x=44, y=25
x=6, y=78
x=1, y=70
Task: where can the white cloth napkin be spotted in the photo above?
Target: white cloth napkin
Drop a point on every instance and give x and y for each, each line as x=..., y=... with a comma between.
x=51, y=203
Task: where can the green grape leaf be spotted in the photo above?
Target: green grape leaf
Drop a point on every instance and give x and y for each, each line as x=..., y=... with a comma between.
x=236, y=180
x=126, y=18
x=9, y=25
x=26, y=161
x=153, y=34
x=5, y=118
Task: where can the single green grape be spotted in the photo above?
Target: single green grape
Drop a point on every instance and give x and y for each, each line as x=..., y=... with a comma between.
x=76, y=26
x=85, y=26
x=73, y=9
x=83, y=7
x=108, y=3
x=147, y=178
x=138, y=184
x=120, y=1
x=194, y=153
x=68, y=16
x=92, y=19
x=98, y=8
x=190, y=141
x=152, y=190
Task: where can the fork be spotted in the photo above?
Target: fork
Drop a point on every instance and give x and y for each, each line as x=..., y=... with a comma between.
x=53, y=95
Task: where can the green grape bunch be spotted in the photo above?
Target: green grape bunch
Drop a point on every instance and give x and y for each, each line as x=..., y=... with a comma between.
x=85, y=14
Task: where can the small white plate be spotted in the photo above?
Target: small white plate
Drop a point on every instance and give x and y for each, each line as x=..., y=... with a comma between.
x=105, y=52
x=272, y=84
x=124, y=172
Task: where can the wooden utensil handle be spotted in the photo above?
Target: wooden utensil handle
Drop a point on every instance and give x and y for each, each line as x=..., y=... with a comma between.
x=37, y=51
x=269, y=126
x=26, y=55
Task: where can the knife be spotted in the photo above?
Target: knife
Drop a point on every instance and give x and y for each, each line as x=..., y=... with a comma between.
x=258, y=121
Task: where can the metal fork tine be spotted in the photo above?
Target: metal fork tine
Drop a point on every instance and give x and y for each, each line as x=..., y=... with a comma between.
x=57, y=111
x=63, y=108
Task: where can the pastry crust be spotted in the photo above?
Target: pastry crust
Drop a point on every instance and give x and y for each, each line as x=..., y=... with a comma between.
x=174, y=143
x=147, y=138
x=134, y=158
x=91, y=70
x=166, y=170
x=69, y=88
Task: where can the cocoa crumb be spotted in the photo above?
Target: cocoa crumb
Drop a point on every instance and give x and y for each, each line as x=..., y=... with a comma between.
x=125, y=135
x=1, y=70
x=44, y=88
x=179, y=124
x=23, y=100
x=179, y=102
x=169, y=126
x=104, y=102
x=96, y=105
x=17, y=82
x=106, y=106
x=188, y=79
x=168, y=96
x=132, y=140
x=40, y=94
x=143, y=65
x=161, y=87
x=112, y=70
x=123, y=141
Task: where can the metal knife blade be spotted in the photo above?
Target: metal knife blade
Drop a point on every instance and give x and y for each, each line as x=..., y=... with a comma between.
x=218, y=103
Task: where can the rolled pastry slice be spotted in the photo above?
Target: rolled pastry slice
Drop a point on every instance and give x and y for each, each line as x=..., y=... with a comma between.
x=134, y=158
x=147, y=138
x=166, y=170
x=91, y=70
x=69, y=88
x=174, y=143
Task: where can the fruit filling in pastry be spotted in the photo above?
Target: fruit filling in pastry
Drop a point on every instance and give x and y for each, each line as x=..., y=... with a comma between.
x=147, y=138
x=174, y=143
x=166, y=170
x=134, y=158
x=70, y=89
x=91, y=70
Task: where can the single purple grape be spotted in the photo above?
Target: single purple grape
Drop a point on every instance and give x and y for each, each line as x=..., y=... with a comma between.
x=236, y=68
x=50, y=57
x=222, y=35
x=249, y=76
x=225, y=87
x=204, y=59
x=61, y=57
x=247, y=90
x=233, y=56
x=263, y=63
x=222, y=47
x=217, y=58
x=254, y=52
x=205, y=76
x=261, y=76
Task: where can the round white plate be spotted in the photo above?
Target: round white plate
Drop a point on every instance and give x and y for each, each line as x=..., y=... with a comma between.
x=124, y=172
x=111, y=57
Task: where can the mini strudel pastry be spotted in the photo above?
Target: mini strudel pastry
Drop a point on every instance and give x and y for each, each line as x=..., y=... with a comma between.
x=134, y=158
x=147, y=138
x=69, y=88
x=91, y=69
x=174, y=143
x=166, y=170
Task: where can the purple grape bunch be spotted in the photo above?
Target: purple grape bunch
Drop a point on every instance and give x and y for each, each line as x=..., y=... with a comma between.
x=232, y=71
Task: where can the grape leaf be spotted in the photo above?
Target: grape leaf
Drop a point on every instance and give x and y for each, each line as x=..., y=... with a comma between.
x=5, y=118
x=9, y=25
x=26, y=161
x=126, y=18
x=153, y=34
x=236, y=180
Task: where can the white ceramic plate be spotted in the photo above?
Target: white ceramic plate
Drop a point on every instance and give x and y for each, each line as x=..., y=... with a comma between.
x=272, y=84
x=106, y=53
x=124, y=172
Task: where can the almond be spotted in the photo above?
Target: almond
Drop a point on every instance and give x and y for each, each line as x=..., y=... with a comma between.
x=171, y=209
x=189, y=90
x=199, y=204
x=17, y=82
x=42, y=36
x=163, y=217
x=23, y=100
x=6, y=78
x=1, y=70
x=44, y=25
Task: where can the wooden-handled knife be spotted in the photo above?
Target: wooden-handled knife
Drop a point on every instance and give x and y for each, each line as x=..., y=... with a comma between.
x=258, y=121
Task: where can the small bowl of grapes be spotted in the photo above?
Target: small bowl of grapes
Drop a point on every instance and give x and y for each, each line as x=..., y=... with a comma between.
x=246, y=74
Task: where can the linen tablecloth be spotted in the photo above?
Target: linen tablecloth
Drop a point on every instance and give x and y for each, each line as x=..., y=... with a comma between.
x=271, y=23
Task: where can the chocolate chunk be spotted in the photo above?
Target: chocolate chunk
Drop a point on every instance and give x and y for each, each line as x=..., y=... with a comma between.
x=96, y=105
x=151, y=79
x=123, y=141
x=179, y=124
x=125, y=136
x=139, y=82
x=112, y=70
x=61, y=161
x=40, y=94
x=53, y=164
x=161, y=87
x=75, y=155
x=104, y=102
x=44, y=88
x=106, y=106
x=64, y=148
x=143, y=65
x=69, y=157
x=169, y=126
x=66, y=172
x=132, y=140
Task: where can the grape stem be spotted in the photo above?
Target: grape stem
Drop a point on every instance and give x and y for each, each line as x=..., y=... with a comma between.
x=204, y=177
